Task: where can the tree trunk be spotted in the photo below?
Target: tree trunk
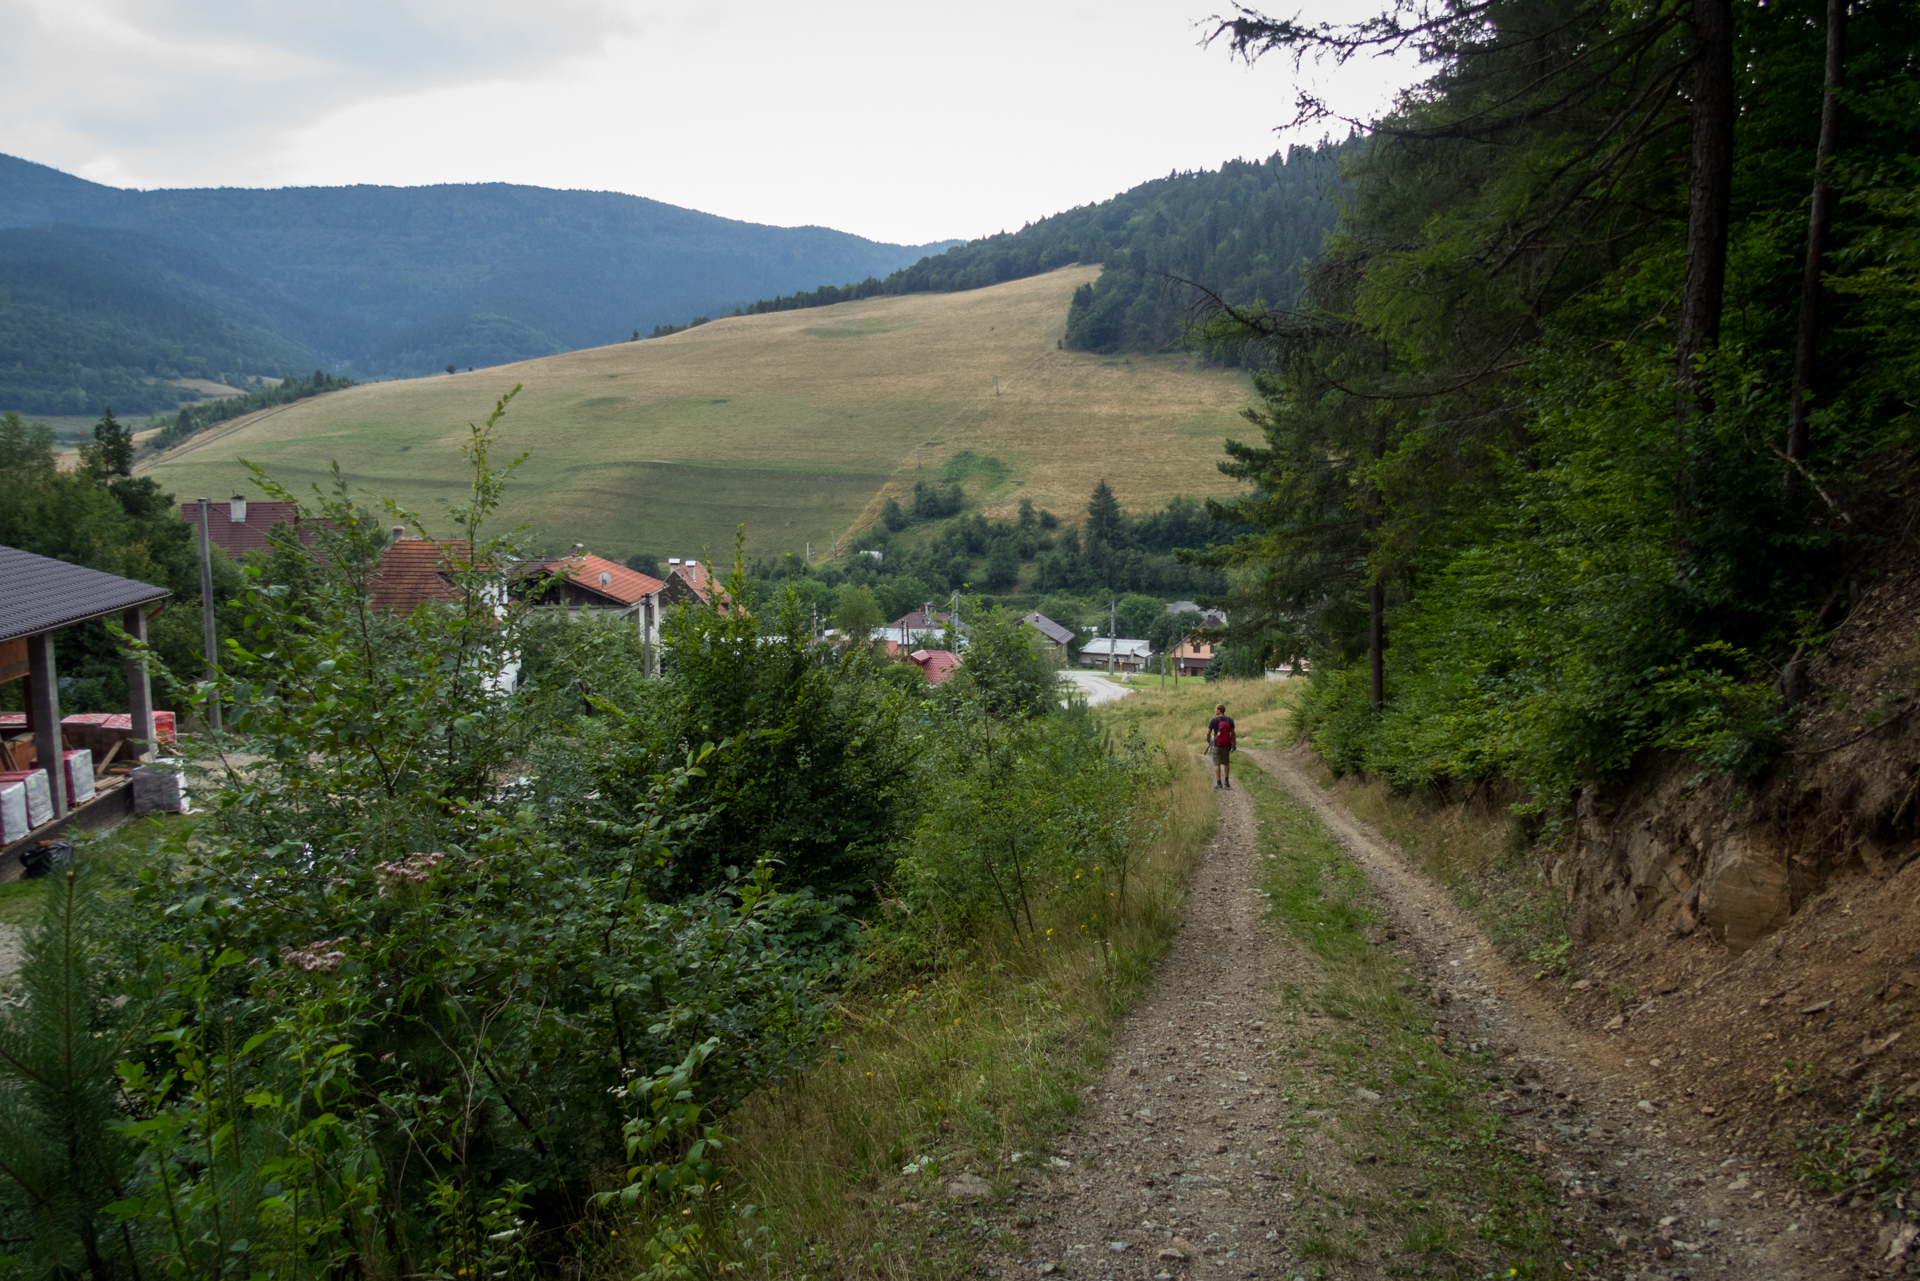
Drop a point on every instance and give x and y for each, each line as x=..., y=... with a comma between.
x=1377, y=642
x=1807, y=335
x=1709, y=194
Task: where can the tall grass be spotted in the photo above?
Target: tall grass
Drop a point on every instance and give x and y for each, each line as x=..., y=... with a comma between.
x=970, y=1071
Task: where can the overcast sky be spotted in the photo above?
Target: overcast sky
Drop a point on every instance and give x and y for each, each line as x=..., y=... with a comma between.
x=901, y=122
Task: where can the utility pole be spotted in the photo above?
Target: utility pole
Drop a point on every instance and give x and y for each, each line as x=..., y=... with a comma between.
x=996, y=385
x=809, y=551
x=207, y=637
x=1113, y=637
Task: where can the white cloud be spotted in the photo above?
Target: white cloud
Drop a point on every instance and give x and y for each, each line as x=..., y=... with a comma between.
x=895, y=121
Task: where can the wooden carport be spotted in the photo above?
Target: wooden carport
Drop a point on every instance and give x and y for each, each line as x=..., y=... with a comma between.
x=38, y=597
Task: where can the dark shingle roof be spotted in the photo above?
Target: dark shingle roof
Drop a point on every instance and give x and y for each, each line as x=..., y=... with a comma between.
x=38, y=594
x=1048, y=628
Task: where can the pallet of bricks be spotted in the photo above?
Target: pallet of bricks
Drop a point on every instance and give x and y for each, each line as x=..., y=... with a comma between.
x=93, y=742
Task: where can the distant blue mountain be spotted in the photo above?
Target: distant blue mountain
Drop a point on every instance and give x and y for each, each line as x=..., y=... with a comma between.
x=106, y=293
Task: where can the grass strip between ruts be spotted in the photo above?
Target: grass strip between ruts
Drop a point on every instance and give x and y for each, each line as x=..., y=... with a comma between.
x=1438, y=1189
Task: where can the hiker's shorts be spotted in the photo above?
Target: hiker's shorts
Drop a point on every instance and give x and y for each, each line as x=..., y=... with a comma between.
x=1221, y=755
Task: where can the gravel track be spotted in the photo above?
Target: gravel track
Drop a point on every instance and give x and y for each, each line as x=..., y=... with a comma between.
x=1176, y=1168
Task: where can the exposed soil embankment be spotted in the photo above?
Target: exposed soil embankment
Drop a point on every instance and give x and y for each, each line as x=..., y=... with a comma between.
x=1761, y=942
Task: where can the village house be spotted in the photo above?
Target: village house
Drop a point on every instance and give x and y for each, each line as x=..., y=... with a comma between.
x=1054, y=637
x=691, y=583
x=583, y=581
x=414, y=571
x=938, y=664
x=1127, y=655
x=239, y=525
x=916, y=627
x=1190, y=657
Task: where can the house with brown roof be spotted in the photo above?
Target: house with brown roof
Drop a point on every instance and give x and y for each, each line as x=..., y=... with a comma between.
x=240, y=525
x=915, y=626
x=583, y=581
x=691, y=583
x=414, y=571
x=938, y=664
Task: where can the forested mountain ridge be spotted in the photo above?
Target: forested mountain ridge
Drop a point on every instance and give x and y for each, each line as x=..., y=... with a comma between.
x=1243, y=231
x=374, y=281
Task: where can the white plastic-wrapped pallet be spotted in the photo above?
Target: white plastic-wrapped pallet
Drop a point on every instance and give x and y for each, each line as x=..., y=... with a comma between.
x=13, y=811
x=158, y=789
x=79, y=776
x=39, y=794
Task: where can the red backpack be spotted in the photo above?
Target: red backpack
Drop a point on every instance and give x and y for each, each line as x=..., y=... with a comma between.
x=1223, y=734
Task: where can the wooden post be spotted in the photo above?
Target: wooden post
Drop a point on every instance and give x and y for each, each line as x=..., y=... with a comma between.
x=209, y=641
x=44, y=706
x=139, y=686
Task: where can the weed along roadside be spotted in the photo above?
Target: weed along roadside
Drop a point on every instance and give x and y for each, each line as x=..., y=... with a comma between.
x=951, y=1074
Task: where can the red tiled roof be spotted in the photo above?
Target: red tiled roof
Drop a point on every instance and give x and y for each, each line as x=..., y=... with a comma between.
x=698, y=579
x=412, y=572
x=938, y=664
x=250, y=535
x=623, y=585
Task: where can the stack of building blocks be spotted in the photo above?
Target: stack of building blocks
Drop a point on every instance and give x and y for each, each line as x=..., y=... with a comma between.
x=37, y=794
x=79, y=766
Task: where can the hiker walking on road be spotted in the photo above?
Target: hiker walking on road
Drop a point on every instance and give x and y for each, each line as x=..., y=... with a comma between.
x=1220, y=744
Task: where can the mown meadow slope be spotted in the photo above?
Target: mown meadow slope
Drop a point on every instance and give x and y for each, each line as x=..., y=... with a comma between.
x=797, y=424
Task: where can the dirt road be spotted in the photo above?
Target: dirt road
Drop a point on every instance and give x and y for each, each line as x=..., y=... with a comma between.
x=1190, y=1160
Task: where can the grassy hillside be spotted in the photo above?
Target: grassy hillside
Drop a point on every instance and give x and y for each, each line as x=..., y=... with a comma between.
x=799, y=424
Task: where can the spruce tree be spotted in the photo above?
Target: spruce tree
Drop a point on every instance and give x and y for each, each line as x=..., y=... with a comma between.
x=62, y=1158
x=112, y=453
x=1104, y=522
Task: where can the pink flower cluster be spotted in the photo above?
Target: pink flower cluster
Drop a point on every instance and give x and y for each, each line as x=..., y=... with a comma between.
x=414, y=869
x=322, y=957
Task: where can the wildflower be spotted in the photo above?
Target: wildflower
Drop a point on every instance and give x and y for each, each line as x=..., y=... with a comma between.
x=414, y=869
x=320, y=957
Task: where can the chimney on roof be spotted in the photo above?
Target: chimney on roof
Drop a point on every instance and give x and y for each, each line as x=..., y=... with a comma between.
x=237, y=509
x=693, y=564
x=579, y=547
x=399, y=532
x=673, y=560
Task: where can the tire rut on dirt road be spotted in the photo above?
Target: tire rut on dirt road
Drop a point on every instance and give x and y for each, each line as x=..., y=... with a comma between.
x=1641, y=1167
x=1179, y=1165
x=1176, y=1163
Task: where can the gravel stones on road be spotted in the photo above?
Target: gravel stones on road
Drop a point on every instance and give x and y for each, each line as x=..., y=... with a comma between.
x=1177, y=1166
